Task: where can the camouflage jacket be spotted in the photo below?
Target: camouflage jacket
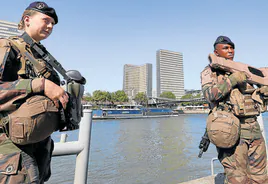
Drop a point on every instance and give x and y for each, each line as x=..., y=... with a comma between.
x=16, y=86
x=215, y=85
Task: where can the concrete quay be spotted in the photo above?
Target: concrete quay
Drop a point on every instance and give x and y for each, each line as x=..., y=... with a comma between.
x=197, y=111
x=215, y=179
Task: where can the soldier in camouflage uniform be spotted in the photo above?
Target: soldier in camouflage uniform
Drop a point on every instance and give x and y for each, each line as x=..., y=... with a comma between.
x=246, y=161
x=29, y=102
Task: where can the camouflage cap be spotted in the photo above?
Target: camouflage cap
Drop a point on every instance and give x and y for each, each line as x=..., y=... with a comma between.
x=224, y=40
x=42, y=7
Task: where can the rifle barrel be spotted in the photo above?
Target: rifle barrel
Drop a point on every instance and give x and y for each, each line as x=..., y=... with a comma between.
x=200, y=153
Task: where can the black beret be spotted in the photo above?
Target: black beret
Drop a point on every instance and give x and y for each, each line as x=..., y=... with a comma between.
x=224, y=40
x=42, y=7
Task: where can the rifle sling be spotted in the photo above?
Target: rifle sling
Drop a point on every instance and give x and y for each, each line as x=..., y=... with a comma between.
x=21, y=48
x=40, y=69
x=46, y=56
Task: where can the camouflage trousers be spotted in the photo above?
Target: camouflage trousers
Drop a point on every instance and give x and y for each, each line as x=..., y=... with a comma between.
x=245, y=163
x=25, y=163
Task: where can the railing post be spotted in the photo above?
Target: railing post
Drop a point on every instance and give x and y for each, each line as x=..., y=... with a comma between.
x=260, y=121
x=63, y=138
x=82, y=158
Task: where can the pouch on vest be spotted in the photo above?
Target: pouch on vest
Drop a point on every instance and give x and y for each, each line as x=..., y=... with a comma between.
x=9, y=155
x=223, y=129
x=33, y=121
x=243, y=105
x=261, y=102
x=10, y=163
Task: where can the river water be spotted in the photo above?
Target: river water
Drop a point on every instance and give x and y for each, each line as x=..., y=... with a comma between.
x=141, y=151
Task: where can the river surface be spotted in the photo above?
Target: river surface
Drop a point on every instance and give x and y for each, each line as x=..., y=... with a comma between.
x=141, y=151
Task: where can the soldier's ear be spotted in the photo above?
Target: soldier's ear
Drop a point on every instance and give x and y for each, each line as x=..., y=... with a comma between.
x=216, y=52
x=26, y=19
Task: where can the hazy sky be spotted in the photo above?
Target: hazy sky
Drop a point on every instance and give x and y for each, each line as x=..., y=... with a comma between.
x=99, y=37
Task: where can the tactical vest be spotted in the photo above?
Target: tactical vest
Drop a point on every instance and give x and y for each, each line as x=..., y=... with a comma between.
x=32, y=69
x=242, y=103
x=240, y=100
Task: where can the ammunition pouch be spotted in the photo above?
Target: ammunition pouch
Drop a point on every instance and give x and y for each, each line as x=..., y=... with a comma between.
x=260, y=98
x=243, y=105
x=223, y=128
x=71, y=116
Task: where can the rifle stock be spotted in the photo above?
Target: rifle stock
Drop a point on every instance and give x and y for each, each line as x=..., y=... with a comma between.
x=254, y=75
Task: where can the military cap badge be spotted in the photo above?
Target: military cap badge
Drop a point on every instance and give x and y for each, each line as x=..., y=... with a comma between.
x=220, y=39
x=40, y=5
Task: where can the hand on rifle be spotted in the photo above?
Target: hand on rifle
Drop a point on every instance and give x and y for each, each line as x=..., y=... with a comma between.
x=238, y=78
x=56, y=93
x=264, y=92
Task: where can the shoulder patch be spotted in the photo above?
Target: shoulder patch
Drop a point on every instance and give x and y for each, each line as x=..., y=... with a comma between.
x=206, y=76
x=4, y=42
x=4, y=53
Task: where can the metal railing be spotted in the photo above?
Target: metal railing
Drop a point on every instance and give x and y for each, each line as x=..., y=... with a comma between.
x=79, y=148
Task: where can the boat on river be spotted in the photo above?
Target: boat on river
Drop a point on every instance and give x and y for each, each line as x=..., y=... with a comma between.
x=130, y=112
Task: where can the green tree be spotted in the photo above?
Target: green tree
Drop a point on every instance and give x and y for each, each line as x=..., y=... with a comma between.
x=141, y=98
x=167, y=94
x=100, y=96
x=191, y=96
x=198, y=96
x=108, y=96
x=119, y=96
x=87, y=97
x=187, y=96
x=113, y=97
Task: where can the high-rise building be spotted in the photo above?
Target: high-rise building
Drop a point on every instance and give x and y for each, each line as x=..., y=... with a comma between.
x=154, y=93
x=169, y=73
x=8, y=29
x=137, y=79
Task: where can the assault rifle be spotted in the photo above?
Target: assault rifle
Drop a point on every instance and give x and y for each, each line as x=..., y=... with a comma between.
x=254, y=75
x=204, y=144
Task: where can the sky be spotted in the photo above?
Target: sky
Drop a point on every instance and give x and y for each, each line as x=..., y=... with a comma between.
x=99, y=37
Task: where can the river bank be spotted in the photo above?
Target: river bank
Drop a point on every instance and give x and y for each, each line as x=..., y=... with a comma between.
x=197, y=111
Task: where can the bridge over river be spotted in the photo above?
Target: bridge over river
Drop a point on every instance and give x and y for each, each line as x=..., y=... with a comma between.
x=168, y=101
